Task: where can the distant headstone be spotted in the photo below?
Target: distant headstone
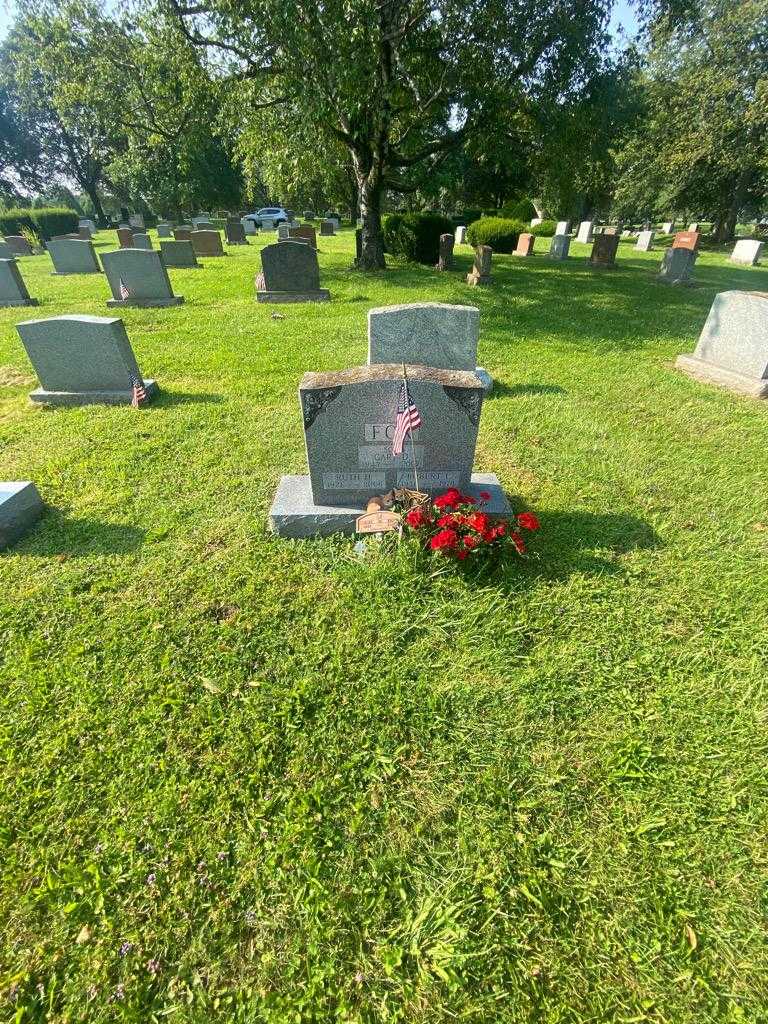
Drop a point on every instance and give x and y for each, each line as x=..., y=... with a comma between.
x=686, y=240
x=524, y=244
x=182, y=234
x=480, y=274
x=445, y=256
x=559, y=246
x=82, y=360
x=20, y=508
x=125, y=238
x=73, y=256
x=644, y=241
x=249, y=226
x=235, y=233
x=460, y=235
x=304, y=233
x=204, y=225
x=179, y=254
x=283, y=232
x=585, y=233
x=563, y=227
x=327, y=228
x=142, y=241
x=677, y=267
x=164, y=229
x=733, y=346
x=138, y=278
x=207, y=243
x=13, y=290
x=84, y=233
x=308, y=215
x=19, y=245
x=5, y=251
x=267, y=224
x=426, y=333
x=748, y=251
x=87, y=222
x=136, y=220
x=201, y=219
x=290, y=273
x=668, y=227
x=693, y=226
x=604, y=250
x=536, y=220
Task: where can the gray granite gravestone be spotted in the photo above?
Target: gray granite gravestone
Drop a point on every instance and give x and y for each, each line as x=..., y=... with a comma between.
x=5, y=251
x=19, y=245
x=86, y=222
x=142, y=241
x=733, y=346
x=290, y=273
x=204, y=225
x=125, y=238
x=747, y=251
x=644, y=241
x=138, y=278
x=460, y=235
x=304, y=233
x=559, y=247
x=136, y=220
x=585, y=233
x=445, y=253
x=249, y=226
x=82, y=360
x=267, y=224
x=677, y=267
x=480, y=274
x=182, y=234
x=308, y=215
x=73, y=256
x=13, y=290
x=349, y=422
x=563, y=227
x=234, y=233
x=327, y=228
x=20, y=508
x=164, y=229
x=207, y=242
x=604, y=250
x=179, y=254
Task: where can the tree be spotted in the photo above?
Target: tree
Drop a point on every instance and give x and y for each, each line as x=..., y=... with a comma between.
x=701, y=144
x=396, y=82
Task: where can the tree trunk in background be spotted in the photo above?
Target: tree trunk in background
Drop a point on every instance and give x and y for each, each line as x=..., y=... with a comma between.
x=372, y=249
x=728, y=217
x=93, y=195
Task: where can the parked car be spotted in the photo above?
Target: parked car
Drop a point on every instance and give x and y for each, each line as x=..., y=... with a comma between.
x=274, y=213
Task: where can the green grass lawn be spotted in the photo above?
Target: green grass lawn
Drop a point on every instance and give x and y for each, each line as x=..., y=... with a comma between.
x=252, y=780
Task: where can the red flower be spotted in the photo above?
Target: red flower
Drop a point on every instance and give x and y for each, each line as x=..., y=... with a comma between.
x=485, y=495
x=444, y=540
x=415, y=517
x=518, y=541
x=471, y=541
x=478, y=521
x=460, y=554
x=447, y=520
x=500, y=530
x=528, y=521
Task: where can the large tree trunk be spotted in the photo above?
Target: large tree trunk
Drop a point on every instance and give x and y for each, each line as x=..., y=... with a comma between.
x=93, y=195
x=372, y=248
x=727, y=217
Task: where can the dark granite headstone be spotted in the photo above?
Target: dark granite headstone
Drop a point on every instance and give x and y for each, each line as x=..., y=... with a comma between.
x=559, y=247
x=677, y=266
x=305, y=233
x=326, y=228
x=142, y=240
x=182, y=234
x=164, y=230
x=19, y=245
x=73, y=256
x=604, y=250
x=445, y=256
x=13, y=290
x=290, y=273
x=20, y=508
x=125, y=238
x=138, y=278
x=207, y=242
x=82, y=360
x=5, y=251
x=358, y=245
x=235, y=233
x=179, y=254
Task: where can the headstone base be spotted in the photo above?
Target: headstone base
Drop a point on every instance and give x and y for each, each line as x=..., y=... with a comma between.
x=243, y=241
x=19, y=302
x=294, y=514
x=74, y=273
x=711, y=374
x=175, y=300
x=72, y=398
x=20, y=507
x=321, y=295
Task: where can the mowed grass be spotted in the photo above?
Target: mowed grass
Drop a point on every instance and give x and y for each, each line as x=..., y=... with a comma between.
x=250, y=780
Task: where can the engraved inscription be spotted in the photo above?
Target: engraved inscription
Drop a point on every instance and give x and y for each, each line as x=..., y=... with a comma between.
x=377, y=456
x=377, y=433
x=430, y=481
x=354, y=481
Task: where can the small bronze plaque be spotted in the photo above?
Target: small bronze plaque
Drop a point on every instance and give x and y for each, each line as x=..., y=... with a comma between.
x=377, y=522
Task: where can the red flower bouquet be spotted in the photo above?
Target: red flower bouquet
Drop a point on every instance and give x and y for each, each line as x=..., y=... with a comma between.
x=455, y=526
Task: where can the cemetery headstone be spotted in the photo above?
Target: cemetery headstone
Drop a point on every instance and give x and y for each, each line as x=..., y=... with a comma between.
x=204, y=225
x=308, y=215
x=19, y=246
x=142, y=241
x=445, y=257
x=87, y=222
x=136, y=220
x=480, y=274
x=559, y=246
x=460, y=234
x=668, y=227
x=304, y=233
x=13, y=290
x=235, y=233
x=125, y=238
x=585, y=233
x=73, y=256
x=524, y=244
x=290, y=273
x=5, y=251
x=138, y=278
x=604, y=250
x=327, y=228
x=349, y=424
x=82, y=360
x=686, y=240
x=747, y=251
x=164, y=229
x=693, y=226
x=267, y=224
x=283, y=232
x=182, y=234
x=179, y=254
x=249, y=226
x=84, y=233
x=536, y=221
x=733, y=346
x=677, y=267
x=207, y=243
x=644, y=241
x=563, y=227
x=20, y=508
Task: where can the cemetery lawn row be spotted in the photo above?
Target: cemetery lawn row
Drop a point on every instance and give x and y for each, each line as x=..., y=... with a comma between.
x=245, y=779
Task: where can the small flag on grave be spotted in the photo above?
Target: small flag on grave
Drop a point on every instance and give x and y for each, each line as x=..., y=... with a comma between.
x=138, y=392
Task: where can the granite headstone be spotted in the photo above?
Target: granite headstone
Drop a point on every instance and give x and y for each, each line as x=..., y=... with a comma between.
x=182, y=234
x=604, y=250
x=164, y=229
x=747, y=251
x=142, y=240
x=235, y=233
x=559, y=247
x=73, y=256
x=179, y=254
x=686, y=240
x=644, y=241
x=480, y=274
x=677, y=267
x=445, y=252
x=13, y=290
x=125, y=238
x=563, y=227
x=207, y=242
x=20, y=508
x=290, y=273
x=525, y=244
x=327, y=228
x=585, y=233
x=460, y=234
x=668, y=227
x=19, y=245
x=138, y=278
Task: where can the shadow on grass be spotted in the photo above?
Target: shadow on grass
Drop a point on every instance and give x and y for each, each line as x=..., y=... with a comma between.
x=501, y=390
x=184, y=398
x=59, y=534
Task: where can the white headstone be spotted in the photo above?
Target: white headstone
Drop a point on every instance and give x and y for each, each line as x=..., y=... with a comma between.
x=644, y=241
x=460, y=236
x=585, y=231
x=668, y=227
x=747, y=250
x=535, y=221
x=694, y=226
x=563, y=227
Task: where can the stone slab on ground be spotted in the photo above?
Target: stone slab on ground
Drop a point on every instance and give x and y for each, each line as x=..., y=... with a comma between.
x=20, y=508
x=294, y=514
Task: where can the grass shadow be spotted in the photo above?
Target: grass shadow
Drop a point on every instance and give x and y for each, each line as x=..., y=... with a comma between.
x=185, y=398
x=59, y=534
x=501, y=390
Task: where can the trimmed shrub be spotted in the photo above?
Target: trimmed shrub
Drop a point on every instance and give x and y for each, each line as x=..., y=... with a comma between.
x=522, y=209
x=415, y=236
x=546, y=229
x=45, y=222
x=498, y=232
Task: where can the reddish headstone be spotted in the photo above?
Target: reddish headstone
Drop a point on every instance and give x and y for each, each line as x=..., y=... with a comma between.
x=604, y=250
x=686, y=240
x=125, y=237
x=525, y=245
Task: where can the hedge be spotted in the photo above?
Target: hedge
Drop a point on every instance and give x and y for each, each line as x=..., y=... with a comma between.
x=546, y=229
x=415, y=236
x=45, y=222
x=498, y=232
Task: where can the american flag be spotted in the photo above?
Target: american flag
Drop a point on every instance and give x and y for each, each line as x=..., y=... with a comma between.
x=408, y=419
x=138, y=391
x=125, y=291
